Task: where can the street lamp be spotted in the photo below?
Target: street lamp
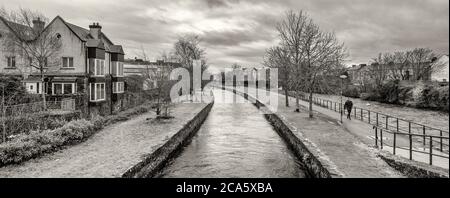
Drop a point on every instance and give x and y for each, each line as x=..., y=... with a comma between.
x=344, y=75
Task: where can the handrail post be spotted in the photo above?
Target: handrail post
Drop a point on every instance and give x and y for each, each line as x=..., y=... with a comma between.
x=362, y=117
x=423, y=127
x=381, y=140
x=395, y=142
x=355, y=112
x=397, y=124
x=376, y=137
x=431, y=150
x=410, y=141
x=377, y=118
x=369, y=115
x=440, y=134
x=387, y=120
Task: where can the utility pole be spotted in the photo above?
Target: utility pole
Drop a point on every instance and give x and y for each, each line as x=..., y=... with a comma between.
x=343, y=76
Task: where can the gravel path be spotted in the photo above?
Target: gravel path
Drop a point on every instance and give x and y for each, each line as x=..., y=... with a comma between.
x=111, y=151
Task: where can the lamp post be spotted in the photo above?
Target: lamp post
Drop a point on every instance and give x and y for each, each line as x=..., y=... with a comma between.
x=343, y=76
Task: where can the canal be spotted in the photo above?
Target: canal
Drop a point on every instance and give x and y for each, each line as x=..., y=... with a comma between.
x=234, y=141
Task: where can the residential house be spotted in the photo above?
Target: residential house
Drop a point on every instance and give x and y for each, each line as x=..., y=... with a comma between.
x=91, y=66
x=441, y=70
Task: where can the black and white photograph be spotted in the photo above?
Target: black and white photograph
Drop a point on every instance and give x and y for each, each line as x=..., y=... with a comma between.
x=224, y=96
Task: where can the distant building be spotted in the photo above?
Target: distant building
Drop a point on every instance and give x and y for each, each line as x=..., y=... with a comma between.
x=438, y=71
x=441, y=71
x=138, y=67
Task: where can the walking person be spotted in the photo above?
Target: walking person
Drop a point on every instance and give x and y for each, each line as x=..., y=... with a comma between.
x=348, y=105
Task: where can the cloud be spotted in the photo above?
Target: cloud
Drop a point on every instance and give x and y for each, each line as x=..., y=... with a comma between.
x=240, y=30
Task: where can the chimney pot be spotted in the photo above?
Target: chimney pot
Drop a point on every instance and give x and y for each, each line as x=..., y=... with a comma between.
x=38, y=24
x=95, y=30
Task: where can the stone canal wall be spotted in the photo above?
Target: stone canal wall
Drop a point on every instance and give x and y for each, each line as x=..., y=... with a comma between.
x=153, y=163
x=303, y=149
x=413, y=169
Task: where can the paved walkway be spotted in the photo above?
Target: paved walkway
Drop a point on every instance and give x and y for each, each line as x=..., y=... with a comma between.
x=366, y=134
x=111, y=151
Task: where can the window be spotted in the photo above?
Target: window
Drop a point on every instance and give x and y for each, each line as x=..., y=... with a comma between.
x=118, y=87
x=117, y=68
x=30, y=60
x=11, y=61
x=99, y=67
x=63, y=88
x=67, y=62
x=97, y=91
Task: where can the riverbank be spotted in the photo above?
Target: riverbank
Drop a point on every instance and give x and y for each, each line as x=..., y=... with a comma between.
x=111, y=151
x=336, y=149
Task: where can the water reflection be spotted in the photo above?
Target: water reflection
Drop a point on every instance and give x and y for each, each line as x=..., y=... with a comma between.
x=234, y=141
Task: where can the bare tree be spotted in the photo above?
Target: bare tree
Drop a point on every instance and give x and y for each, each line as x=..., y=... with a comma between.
x=421, y=63
x=38, y=45
x=186, y=50
x=378, y=70
x=400, y=61
x=291, y=31
x=278, y=57
x=158, y=78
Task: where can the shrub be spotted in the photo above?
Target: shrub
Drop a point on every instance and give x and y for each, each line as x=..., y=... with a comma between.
x=37, y=121
x=351, y=91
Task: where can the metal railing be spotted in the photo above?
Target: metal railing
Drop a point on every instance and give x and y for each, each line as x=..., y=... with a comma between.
x=389, y=122
x=380, y=142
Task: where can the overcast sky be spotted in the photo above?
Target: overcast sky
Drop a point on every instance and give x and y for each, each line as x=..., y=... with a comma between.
x=240, y=30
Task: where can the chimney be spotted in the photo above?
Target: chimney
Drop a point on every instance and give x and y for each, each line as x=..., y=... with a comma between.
x=38, y=24
x=95, y=30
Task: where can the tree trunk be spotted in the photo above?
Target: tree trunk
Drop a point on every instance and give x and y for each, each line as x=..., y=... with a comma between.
x=286, y=94
x=297, y=101
x=44, y=102
x=310, y=103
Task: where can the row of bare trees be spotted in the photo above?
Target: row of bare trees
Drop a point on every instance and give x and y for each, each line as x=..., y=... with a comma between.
x=415, y=64
x=306, y=56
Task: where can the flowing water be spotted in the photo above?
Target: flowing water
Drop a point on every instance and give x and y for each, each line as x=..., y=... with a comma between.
x=234, y=141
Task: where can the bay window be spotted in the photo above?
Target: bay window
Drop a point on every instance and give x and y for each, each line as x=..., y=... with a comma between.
x=97, y=91
x=118, y=87
x=117, y=68
x=99, y=67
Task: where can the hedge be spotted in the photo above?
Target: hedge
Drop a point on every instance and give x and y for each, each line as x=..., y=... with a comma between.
x=24, y=147
x=37, y=121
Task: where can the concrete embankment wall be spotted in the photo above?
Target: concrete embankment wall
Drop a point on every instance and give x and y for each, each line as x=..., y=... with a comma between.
x=302, y=149
x=155, y=162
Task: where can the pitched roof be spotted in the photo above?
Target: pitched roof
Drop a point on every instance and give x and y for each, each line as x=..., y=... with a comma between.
x=117, y=49
x=82, y=33
x=16, y=27
x=85, y=35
